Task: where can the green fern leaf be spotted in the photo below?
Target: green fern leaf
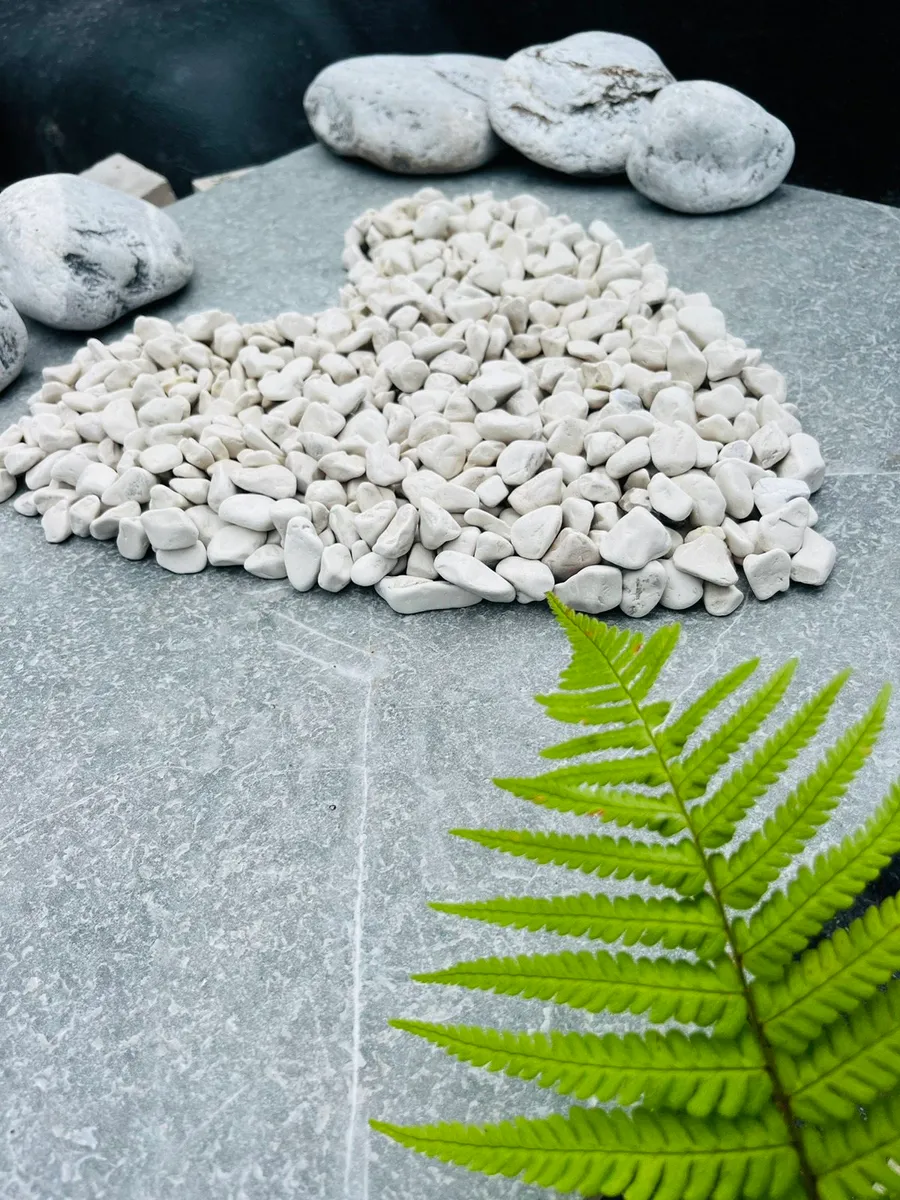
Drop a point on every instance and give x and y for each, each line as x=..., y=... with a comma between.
x=851, y=1064
x=675, y=866
x=794, y=1090
x=693, y=993
x=714, y=821
x=833, y=978
x=639, y=1155
x=711, y=755
x=676, y=924
x=674, y=737
x=660, y=812
x=746, y=875
x=787, y=920
x=850, y=1160
x=698, y=1075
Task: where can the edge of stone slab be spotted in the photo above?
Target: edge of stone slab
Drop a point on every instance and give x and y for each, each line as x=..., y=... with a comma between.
x=319, y=157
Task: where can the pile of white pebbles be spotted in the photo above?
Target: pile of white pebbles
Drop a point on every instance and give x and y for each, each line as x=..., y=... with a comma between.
x=504, y=404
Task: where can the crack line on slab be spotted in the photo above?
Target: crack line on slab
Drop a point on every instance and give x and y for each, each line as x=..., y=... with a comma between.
x=356, y=992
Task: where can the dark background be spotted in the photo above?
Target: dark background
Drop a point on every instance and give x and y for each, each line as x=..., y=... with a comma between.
x=192, y=87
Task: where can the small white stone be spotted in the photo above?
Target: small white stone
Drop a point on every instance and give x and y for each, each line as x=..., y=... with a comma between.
x=24, y=504
x=545, y=488
x=803, y=461
x=231, y=546
x=250, y=512
x=770, y=445
x=491, y=548
x=189, y=561
x=94, y=480
x=631, y=457
x=82, y=513
x=769, y=494
x=467, y=572
x=708, y=506
x=668, y=499
x=532, y=534
x=132, y=541
x=420, y=562
x=276, y=482
x=335, y=568
x=721, y=601
x=531, y=580
x=570, y=553
x=106, y=526
x=7, y=485
x=267, y=562
x=642, y=590
x=814, y=561
x=706, y=557
x=133, y=484
x=409, y=594
x=768, y=573
x=56, y=522
x=398, y=537
x=673, y=449
x=682, y=590
x=160, y=459
x=740, y=538
x=520, y=461
x=784, y=527
x=635, y=540
x=303, y=550
x=169, y=529
x=734, y=485
x=593, y=589
x=367, y=570
x=19, y=459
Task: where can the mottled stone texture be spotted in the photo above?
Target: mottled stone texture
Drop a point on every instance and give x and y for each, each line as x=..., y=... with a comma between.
x=223, y=804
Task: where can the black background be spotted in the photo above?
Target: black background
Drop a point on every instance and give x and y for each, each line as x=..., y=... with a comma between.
x=192, y=87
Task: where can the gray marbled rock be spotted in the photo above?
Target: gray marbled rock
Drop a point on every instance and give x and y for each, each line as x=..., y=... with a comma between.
x=705, y=148
x=407, y=113
x=573, y=104
x=77, y=255
x=13, y=342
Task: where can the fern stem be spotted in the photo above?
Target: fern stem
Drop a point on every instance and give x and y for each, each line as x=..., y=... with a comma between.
x=779, y=1094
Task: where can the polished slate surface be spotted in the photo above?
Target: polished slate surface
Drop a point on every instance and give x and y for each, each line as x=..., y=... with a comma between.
x=223, y=805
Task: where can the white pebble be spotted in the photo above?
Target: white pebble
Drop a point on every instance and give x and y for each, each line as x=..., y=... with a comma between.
x=467, y=572
x=706, y=557
x=407, y=594
x=768, y=573
x=642, y=590
x=267, y=562
x=635, y=540
x=132, y=541
x=189, y=561
x=593, y=589
x=169, y=529
x=231, y=546
x=814, y=561
x=56, y=522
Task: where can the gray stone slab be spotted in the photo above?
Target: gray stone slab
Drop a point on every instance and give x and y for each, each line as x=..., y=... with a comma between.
x=223, y=805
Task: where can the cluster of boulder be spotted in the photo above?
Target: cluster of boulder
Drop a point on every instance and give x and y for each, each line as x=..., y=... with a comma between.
x=592, y=104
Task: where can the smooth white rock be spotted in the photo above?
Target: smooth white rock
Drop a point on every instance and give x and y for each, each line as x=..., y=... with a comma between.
x=335, y=568
x=77, y=254
x=8, y=485
x=398, y=537
x=267, y=562
x=520, y=461
x=673, y=449
x=250, y=512
x=367, y=570
x=803, y=461
x=409, y=114
x=169, y=529
x=436, y=526
x=573, y=105
x=784, y=527
x=531, y=580
x=592, y=590
x=467, y=572
x=133, y=484
x=706, y=557
x=189, y=561
x=703, y=148
x=545, y=488
x=642, y=590
x=532, y=534
x=570, y=553
x=734, y=485
x=682, y=590
x=131, y=541
x=56, y=522
x=231, y=545
x=303, y=550
x=768, y=573
x=408, y=594
x=94, y=480
x=274, y=481
x=106, y=526
x=160, y=459
x=814, y=561
x=20, y=459
x=635, y=540
x=770, y=444
x=721, y=601
x=82, y=513
x=708, y=503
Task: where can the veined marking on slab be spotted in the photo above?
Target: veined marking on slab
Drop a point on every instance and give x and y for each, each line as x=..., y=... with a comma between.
x=356, y=994
x=317, y=633
x=344, y=669
x=192, y=1133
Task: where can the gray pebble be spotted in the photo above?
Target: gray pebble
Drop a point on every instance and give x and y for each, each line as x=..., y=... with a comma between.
x=406, y=113
x=13, y=342
x=705, y=148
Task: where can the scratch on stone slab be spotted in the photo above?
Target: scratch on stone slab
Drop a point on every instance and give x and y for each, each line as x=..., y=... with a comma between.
x=340, y=668
x=212, y=1116
x=326, y=637
x=356, y=996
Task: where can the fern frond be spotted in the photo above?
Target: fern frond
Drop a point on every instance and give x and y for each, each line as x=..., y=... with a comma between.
x=676, y=924
x=715, y=751
x=675, y=866
x=693, y=993
x=851, y=1159
x=834, y=977
x=714, y=821
x=660, y=812
x=852, y=1063
x=695, y=1074
x=674, y=737
x=628, y=737
x=640, y=1155
x=787, y=920
x=743, y=879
